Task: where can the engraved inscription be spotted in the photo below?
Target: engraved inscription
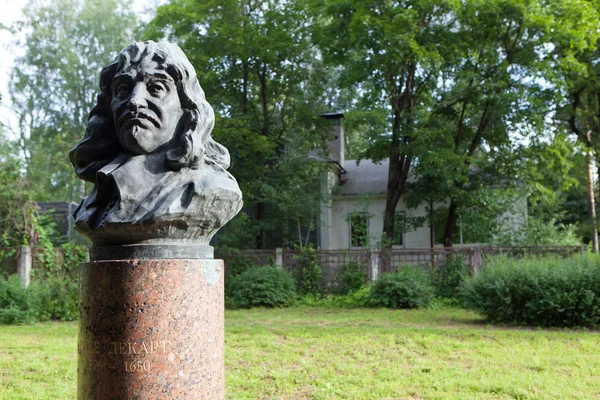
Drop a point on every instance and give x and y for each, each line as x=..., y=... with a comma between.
x=145, y=365
x=135, y=350
x=139, y=347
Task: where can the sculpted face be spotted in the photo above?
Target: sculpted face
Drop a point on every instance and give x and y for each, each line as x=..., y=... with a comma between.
x=145, y=106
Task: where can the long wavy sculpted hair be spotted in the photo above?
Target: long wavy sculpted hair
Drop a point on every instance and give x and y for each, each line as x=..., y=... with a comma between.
x=192, y=143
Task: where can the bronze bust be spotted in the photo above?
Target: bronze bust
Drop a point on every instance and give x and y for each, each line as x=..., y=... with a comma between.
x=158, y=175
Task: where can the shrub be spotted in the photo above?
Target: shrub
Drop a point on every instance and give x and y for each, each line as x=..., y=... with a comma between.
x=407, y=288
x=309, y=275
x=50, y=299
x=542, y=292
x=15, y=305
x=55, y=298
x=237, y=263
x=353, y=278
x=449, y=277
x=263, y=287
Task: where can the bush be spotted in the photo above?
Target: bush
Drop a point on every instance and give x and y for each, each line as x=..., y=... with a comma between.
x=408, y=288
x=309, y=275
x=262, y=287
x=15, y=304
x=354, y=278
x=449, y=278
x=51, y=299
x=541, y=292
x=55, y=298
x=238, y=262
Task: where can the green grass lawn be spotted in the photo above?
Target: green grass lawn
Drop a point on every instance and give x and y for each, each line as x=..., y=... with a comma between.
x=346, y=354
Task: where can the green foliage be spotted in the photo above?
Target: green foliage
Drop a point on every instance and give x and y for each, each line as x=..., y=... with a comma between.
x=263, y=78
x=74, y=255
x=410, y=287
x=239, y=233
x=541, y=292
x=309, y=274
x=237, y=263
x=263, y=287
x=354, y=278
x=550, y=233
x=53, y=87
x=21, y=223
x=53, y=292
x=54, y=298
x=15, y=302
x=449, y=277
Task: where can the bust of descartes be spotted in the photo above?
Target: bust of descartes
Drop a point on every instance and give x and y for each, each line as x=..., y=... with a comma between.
x=158, y=175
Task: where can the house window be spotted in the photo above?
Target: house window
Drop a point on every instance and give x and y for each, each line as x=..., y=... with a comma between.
x=399, y=228
x=359, y=230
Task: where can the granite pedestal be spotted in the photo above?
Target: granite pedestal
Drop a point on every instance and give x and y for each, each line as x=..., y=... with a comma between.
x=151, y=329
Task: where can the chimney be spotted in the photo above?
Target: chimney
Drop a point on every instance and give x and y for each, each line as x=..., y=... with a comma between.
x=336, y=140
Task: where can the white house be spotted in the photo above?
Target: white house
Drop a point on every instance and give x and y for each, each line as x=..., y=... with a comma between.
x=352, y=217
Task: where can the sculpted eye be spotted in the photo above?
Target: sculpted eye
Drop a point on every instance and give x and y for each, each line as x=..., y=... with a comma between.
x=123, y=90
x=156, y=88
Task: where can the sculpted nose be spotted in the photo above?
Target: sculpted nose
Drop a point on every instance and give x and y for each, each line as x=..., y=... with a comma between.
x=137, y=99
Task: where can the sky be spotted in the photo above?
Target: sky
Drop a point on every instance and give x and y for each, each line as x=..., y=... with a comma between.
x=11, y=13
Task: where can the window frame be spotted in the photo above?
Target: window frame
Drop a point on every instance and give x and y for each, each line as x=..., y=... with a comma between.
x=402, y=235
x=367, y=217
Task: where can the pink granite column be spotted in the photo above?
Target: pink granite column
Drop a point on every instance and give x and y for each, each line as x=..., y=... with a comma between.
x=151, y=329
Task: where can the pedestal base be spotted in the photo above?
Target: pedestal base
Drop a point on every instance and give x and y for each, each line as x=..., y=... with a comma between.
x=151, y=329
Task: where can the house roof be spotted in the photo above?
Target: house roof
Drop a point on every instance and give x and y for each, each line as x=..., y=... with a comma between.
x=366, y=177
x=370, y=178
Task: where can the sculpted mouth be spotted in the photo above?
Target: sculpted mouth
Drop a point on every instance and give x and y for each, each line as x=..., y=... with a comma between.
x=139, y=119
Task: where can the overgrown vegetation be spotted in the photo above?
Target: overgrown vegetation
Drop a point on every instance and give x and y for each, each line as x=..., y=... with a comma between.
x=449, y=277
x=409, y=287
x=262, y=287
x=44, y=300
x=53, y=292
x=354, y=277
x=309, y=274
x=537, y=291
x=236, y=265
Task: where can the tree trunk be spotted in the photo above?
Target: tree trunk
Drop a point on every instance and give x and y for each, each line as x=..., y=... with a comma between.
x=450, y=223
x=394, y=169
x=399, y=163
x=591, y=199
x=262, y=77
x=431, y=228
x=397, y=177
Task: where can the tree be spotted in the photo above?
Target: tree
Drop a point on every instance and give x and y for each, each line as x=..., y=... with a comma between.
x=486, y=96
x=53, y=85
x=392, y=51
x=254, y=61
x=20, y=220
x=576, y=57
x=461, y=83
